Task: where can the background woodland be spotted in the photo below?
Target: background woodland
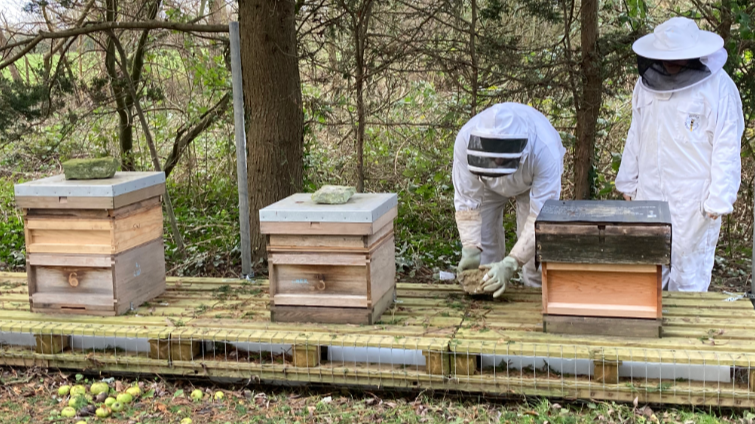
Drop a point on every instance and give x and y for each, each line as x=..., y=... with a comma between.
x=360, y=92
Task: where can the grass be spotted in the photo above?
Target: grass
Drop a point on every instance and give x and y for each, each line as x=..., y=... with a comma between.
x=33, y=398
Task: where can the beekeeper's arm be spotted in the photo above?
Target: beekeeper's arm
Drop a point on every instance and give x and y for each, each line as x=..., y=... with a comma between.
x=468, y=191
x=626, y=179
x=726, y=165
x=546, y=184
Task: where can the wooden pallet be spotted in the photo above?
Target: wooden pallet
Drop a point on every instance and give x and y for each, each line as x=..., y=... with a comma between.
x=196, y=323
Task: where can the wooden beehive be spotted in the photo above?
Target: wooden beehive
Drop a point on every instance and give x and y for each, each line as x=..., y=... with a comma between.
x=601, y=262
x=331, y=263
x=93, y=246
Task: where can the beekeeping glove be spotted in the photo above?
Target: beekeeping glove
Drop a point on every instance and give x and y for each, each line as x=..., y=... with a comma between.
x=498, y=275
x=470, y=258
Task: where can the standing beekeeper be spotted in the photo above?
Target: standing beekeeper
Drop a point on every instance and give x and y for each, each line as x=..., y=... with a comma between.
x=509, y=150
x=684, y=142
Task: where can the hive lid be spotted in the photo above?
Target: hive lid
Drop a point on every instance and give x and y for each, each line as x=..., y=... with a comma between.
x=605, y=211
x=362, y=207
x=121, y=183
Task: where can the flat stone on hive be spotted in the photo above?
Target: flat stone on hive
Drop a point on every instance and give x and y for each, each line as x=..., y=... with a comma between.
x=333, y=195
x=90, y=169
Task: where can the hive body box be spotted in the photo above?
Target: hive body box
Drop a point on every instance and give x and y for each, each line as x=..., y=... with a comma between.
x=331, y=263
x=93, y=246
x=601, y=263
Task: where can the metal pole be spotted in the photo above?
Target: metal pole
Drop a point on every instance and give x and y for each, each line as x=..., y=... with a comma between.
x=238, y=123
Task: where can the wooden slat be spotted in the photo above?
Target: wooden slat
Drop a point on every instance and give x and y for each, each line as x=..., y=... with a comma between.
x=587, y=309
x=560, y=266
x=69, y=224
x=599, y=326
x=318, y=259
x=316, y=228
x=54, y=202
x=93, y=248
x=301, y=242
x=321, y=300
x=138, y=195
x=72, y=300
x=384, y=220
x=47, y=259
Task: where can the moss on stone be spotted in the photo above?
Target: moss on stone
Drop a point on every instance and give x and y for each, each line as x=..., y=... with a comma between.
x=90, y=169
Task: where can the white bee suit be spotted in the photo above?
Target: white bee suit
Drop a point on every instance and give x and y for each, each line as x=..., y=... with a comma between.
x=480, y=201
x=683, y=147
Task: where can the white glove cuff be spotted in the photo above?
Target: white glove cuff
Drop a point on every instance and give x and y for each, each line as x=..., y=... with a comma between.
x=469, y=224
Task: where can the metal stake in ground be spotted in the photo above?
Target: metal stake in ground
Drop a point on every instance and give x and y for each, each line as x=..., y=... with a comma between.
x=238, y=122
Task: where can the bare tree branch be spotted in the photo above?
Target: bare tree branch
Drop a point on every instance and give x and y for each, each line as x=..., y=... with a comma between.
x=89, y=28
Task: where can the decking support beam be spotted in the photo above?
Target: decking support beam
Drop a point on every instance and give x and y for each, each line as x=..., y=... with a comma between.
x=51, y=344
x=437, y=363
x=465, y=364
x=308, y=356
x=174, y=350
x=606, y=372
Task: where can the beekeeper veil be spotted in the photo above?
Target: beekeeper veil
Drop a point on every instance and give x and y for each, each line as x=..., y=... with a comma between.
x=498, y=143
x=678, y=55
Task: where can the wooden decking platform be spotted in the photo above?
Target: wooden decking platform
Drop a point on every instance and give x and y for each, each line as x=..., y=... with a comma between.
x=434, y=337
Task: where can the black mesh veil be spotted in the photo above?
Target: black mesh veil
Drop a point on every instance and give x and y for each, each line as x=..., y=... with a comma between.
x=656, y=77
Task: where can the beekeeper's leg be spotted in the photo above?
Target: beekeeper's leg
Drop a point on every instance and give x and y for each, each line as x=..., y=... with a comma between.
x=531, y=275
x=493, y=235
x=693, y=250
x=665, y=274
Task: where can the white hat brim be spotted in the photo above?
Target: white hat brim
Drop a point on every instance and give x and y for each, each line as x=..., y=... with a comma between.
x=707, y=44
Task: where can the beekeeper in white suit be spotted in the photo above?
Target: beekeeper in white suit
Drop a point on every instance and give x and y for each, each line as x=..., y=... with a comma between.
x=509, y=150
x=684, y=142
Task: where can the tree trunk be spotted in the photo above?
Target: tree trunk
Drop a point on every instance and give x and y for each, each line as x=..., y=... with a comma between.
x=125, y=119
x=589, y=106
x=360, y=24
x=273, y=106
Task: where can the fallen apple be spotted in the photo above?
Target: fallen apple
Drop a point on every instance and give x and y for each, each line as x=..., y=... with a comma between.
x=117, y=407
x=77, y=401
x=103, y=412
x=64, y=390
x=98, y=388
x=68, y=412
x=186, y=421
x=219, y=395
x=134, y=391
x=197, y=394
x=78, y=390
x=124, y=398
x=109, y=401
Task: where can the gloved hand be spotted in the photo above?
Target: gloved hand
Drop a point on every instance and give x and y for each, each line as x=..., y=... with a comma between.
x=470, y=258
x=499, y=275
